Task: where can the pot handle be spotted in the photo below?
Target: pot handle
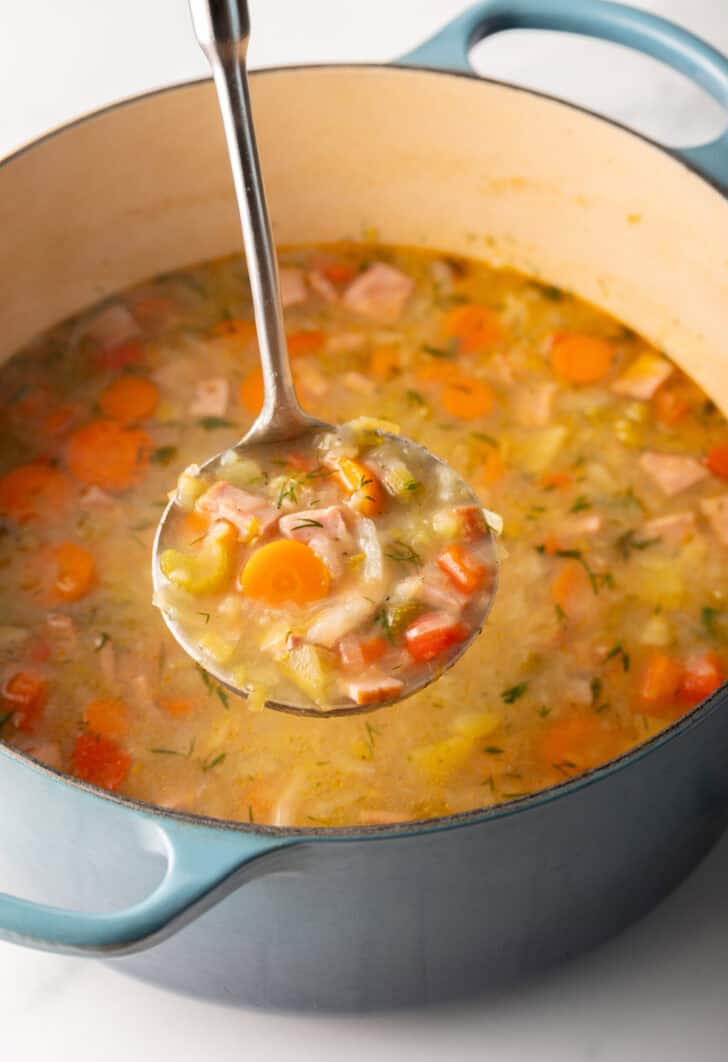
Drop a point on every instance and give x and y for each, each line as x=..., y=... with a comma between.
x=671, y=44
x=203, y=866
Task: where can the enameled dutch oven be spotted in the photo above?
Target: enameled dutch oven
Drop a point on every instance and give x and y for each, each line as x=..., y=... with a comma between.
x=428, y=155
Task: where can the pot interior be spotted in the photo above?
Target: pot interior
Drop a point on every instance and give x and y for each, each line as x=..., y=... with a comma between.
x=403, y=156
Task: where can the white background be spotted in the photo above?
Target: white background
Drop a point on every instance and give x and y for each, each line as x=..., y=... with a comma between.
x=658, y=992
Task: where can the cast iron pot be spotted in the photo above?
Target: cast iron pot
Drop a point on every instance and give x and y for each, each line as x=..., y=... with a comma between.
x=428, y=154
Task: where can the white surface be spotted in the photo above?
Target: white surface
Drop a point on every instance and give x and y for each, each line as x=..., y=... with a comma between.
x=659, y=991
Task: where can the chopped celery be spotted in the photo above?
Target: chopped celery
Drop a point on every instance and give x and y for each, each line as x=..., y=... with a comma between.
x=306, y=668
x=190, y=486
x=204, y=572
x=219, y=648
x=398, y=617
x=240, y=471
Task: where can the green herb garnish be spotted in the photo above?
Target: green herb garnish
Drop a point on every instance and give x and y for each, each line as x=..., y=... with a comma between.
x=580, y=503
x=213, y=763
x=305, y=522
x=402, y=553
x=166, y=752
x=212, y=423
x=617, y=650
x=628, y=541
x=514, y=692
x=596, y=579
x=493, y=750
x=163, y=455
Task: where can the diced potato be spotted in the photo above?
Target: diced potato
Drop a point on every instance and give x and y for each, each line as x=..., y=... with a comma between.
x=474, y=725
x=306, y=667
x=658, y=631
x=658, y=581
x=241, y=471
x=398, y=480
x=363, y=427
x=445, y=523
x=204, y=572
x=190, y=486
x=220, y=649
x=535, y=452
x=628, y=433
x=437, y=762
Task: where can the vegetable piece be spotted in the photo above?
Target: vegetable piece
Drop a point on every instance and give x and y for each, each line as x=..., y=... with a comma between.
x=285, y=571
x=100, y=761
x=374, y=688
x=579, y=358
x=556, y=480
x=467, y=398
x=571, y=589
x=107, y=717
x=385, y=363
x=642, y=378
x=34, y=492
x=112, y=326
x=661, y=680
x=252, y=391
x=433, y=634
x=366, y=495
x=306, y=667
x=25, y=695
x=576, y=741
x=306, y=341
x=669, y=406
x=74, y=571
x=337, y=270
x=129, y=398
x=462, y=568
x=108, y=455
x=208, y=570
x=476, y=328
x=716, y=460
x=238, y=329
x=59, y=419
x=703, y=673
x=380, y=293
x=358, y=653
x=177, y=707
x=396, y=618
x=672, y=473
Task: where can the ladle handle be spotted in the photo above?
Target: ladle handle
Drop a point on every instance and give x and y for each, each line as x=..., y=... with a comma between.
x=223, y=31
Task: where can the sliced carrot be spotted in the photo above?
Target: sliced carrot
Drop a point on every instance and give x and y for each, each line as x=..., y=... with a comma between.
x=101, y=761
x=305, y=342
x=357, y=653
x=108, y=455
x=579, y=358
x=73, y=571
x=432, y=634
x=556, y=479
x=108, y=718
x=466, y=397
x=702, y=675
x=476, y=327
x=285, y=571
x=129, y=398
x=669, y=406
x=717, y=460
x=125, y=354
x=576, y=741
x=59, y=419
x=492, y=470
x=366, y=494
x=551, y=546
x=385, y=363
x=462, y=569
x=177, y=707
x=252, y=391
x=239, y=329
x=25, y=695
x=338, y=271
x=571, y=589
x=34, y=492
x=661, y=679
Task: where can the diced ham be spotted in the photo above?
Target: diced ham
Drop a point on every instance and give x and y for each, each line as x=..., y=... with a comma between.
x=113, y=326
x=333, y=623
x=251, y=514
x=374, y=687
x=715, y=510
x=324, y=530
x=293, y=286
x=642, y=378
x=310, y=380
x=673, y=529
x=673, y=473
x=380, y=293
x=320, y=283
x=437, y=591
x=575, y=526
x=533, y=405
x=210, y=398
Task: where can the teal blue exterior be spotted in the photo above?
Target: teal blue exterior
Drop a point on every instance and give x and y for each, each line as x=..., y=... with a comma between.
x=449, y=50
x=204, y=862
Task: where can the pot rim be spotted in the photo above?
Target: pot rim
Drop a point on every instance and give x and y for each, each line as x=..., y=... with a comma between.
x=414, y=826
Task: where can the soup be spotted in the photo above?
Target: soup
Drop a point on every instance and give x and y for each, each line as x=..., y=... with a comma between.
x=605, y=462
x=345, y=568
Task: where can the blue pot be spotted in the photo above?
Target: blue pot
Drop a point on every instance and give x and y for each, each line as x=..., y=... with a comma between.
x=375, y=917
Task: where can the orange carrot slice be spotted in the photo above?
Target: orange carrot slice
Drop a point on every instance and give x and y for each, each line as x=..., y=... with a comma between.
x=571, y=589
x=108, y=718
x=285, y=571
x=59, y=419
x=555, y=479
x=466, y=397
x=25, y=695
x=717, y=460
x=241, y=330
x=476, y=328
x=703, y=673
x=338, y=271
x=34, y=492
x=177, y=707
x=578, y=740
x=305, y=342
x=580, y=359
x=435, y=371
x=661, y=680
x=100, y=761
x=251, y=391
x=129, y=398
x=74, y=571
x=462, y=569
x=366, y=494
x=108, y=455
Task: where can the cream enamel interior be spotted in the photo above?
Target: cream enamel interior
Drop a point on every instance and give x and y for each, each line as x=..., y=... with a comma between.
x=414, y=156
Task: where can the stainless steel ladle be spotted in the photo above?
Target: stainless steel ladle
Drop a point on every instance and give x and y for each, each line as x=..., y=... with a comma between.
x=223, y=31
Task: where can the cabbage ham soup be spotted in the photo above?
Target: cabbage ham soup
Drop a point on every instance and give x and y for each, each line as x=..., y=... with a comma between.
x=345, y=568
x=606, y=463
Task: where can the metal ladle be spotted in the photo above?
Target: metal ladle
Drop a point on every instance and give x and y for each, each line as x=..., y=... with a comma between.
x=223, y=31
